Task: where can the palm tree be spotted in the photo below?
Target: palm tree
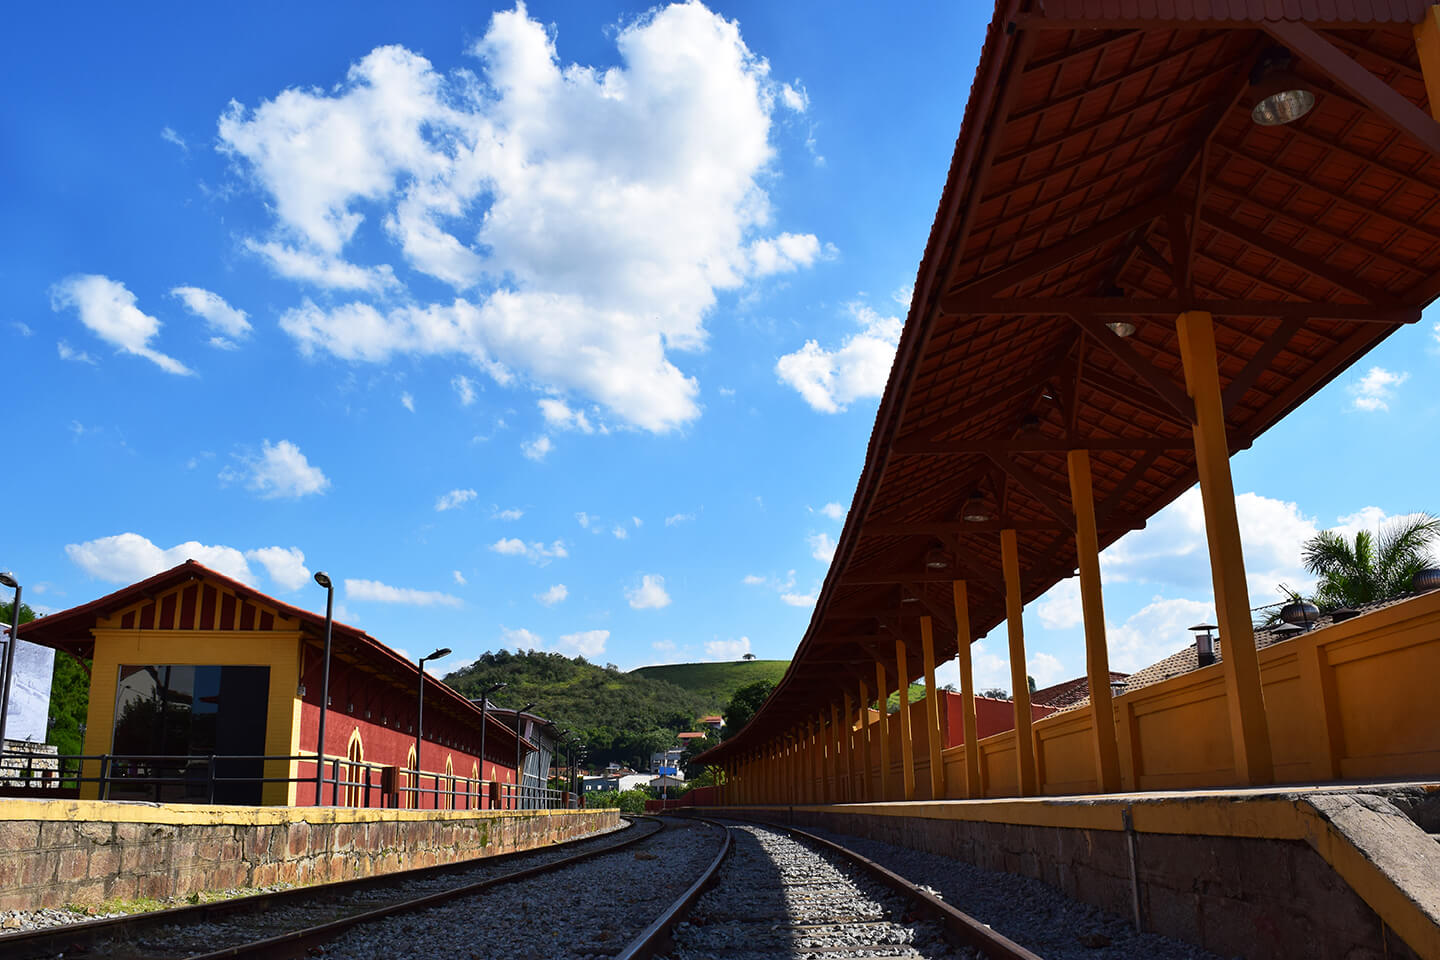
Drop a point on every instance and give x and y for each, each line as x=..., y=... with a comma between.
x=1369, y=569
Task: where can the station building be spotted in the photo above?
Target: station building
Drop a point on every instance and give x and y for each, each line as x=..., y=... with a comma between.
x=204, y=689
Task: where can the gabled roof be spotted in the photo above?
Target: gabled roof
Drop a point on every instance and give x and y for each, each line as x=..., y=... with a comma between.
x=70, y=630
x=1108, y=168
x=1063, y=694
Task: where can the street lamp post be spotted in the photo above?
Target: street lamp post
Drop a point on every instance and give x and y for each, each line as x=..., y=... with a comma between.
x=8, y=579
x=484, y=707
x=323, y=578
x=420, y=721
x=519, y=773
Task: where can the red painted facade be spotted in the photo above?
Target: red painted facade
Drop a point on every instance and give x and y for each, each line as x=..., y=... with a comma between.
x=991, y=717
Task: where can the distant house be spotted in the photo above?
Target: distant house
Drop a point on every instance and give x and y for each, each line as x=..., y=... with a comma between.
x=665, y=760
x=687, y=738
x=667, y=782
x=1062, y=695
x=628, y=781
x=713, y=722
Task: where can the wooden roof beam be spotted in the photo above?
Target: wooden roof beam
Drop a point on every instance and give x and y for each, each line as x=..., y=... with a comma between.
x=1169, y=391
x=1034, y=486
x=1172, y=307
x=1260, y=362
x=936, y=528
x=1003, y=447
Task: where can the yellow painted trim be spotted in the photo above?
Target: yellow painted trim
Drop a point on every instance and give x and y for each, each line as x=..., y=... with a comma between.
x=867, y=789
x=882, y=696
x=968, y=722
x=907, y=735
x=1019, y=680
x=1097, y=658
x=934, y=735
x=102, y=811
x=1427, y=43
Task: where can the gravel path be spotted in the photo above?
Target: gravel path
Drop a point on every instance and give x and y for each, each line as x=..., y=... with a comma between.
x=186, y=939
x=590, y=909
x=1031, y=913
x=779, y=897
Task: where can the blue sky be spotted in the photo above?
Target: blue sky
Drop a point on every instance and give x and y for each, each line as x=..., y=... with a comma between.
x=550, y=326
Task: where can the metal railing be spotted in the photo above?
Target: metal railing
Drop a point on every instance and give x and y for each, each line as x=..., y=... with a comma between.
x=218, y=778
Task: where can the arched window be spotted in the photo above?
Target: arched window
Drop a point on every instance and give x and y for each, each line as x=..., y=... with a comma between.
x=355, y=753
x=410, y=783
x=449, y=783
x=473, y=788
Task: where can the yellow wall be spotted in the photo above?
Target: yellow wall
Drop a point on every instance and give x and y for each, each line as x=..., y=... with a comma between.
x=277, y=649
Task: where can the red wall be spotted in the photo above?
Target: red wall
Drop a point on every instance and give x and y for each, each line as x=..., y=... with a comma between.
x=991, y=717
x=385, y=717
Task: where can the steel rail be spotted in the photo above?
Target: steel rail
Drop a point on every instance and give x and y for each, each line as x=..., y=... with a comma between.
x=79, y=938
x=657, y=935
x=961, y=928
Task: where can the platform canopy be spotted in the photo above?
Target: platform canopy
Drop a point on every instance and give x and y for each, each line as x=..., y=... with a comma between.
x=1111, y=173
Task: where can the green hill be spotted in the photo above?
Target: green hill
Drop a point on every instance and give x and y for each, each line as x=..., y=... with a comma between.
x=715, y=683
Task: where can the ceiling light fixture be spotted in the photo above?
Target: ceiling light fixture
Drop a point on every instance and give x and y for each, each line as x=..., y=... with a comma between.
x=1280, y=96
x=974, y=509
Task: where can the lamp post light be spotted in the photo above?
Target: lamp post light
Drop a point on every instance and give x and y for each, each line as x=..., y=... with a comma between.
x=519, y=773
x=420, y=720
x=8, y=579
x=323, y=578
x=484, y=707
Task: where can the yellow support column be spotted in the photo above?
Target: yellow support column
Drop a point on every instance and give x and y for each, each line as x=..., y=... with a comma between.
x=967, y=688
x=934, y=736
x=1249, y=729
x=907, y=737
x=882, y=791
x=1427, y=42
x=867, y=767
x=1014, y=605
x=837, y=794
x=1092, y=604
x=851, y=793
x=817, y=734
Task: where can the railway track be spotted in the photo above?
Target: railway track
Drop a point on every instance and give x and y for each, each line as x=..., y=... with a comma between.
x=285, y=923
x=788, y=893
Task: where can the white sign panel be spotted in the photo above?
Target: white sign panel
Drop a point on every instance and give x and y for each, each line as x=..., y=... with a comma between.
x=28, y=717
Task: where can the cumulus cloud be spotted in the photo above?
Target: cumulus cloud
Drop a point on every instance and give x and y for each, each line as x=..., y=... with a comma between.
x=285, y=565
x=586, y=643
x=227, y=322
x=753, y=580
x=68, y=352
x=537, y=448
x=534, y=552
x=407, y=401
x=464, y=389
x=1154, y=632
x=377, y=592
x=509, y=513
x=169, y=135
x=554, y=595
x=1059, y=608
x=1374, y=391
x=559, y=416
x=678, y=518
x=585, y=218
x=521, y=639
x=822, y=548
x=834, y=511
x=280, y=471
x=128, y=557
x=727, y=649
x=455, y=498
x=108, y=309
x=794, y=599
x=620, y=532
x=830, y=380
x=650, y=595
x=458, y=577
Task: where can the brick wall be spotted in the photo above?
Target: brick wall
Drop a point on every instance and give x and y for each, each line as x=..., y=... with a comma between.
x=70, y=855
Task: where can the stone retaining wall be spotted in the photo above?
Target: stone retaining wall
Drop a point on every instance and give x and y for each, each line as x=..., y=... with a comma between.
x=75, y=852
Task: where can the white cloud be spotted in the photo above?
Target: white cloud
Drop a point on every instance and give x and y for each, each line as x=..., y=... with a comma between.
x=586, y=643
x=584, y=519
x=834, y=511
x=459, y=577
x=1157, y=630
x=554, y=595
x=127, y=557
x=509, y=513
x=537, y=448
x=664, y=646
x=534, y=552
x=650, y=595
x=638, y=522
x=830, y=380
x=407, y=401
x=377, y=592
x=170, y=136
x=108, y=309
x=464, y=389
x=68, y=352
x=521, y=639
x=592, y=214
x=22, y=328
x=1059, y=608
x=822, y=548
x=280, y=471
x=620, y=532
x=1375, y=390
x=561, y=417
x=727, y=649
x=678, y=518
x=795, y=97
x=455, y=498
x=800, y=599
x=285, y=565
x=1046, y=669
x=218, y=315
x=753, y=580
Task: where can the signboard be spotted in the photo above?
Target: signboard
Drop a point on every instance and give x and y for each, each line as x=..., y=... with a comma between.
x=669, y=771
x=28, y=717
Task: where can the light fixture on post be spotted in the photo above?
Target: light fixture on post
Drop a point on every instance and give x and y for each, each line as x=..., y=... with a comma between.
x=1204, y=642
x=484, y=708
x=975, y=510
x=1280, y=96
x=8, y=579
x=420, y=722
x=323, y=578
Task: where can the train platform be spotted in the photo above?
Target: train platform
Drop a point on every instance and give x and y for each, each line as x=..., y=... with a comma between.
x=1349, y=870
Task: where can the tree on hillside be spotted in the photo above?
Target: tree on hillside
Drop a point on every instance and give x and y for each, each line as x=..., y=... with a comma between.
x=1367, y=569
x=743, y=705
x=748, y=656
x=693, y=749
